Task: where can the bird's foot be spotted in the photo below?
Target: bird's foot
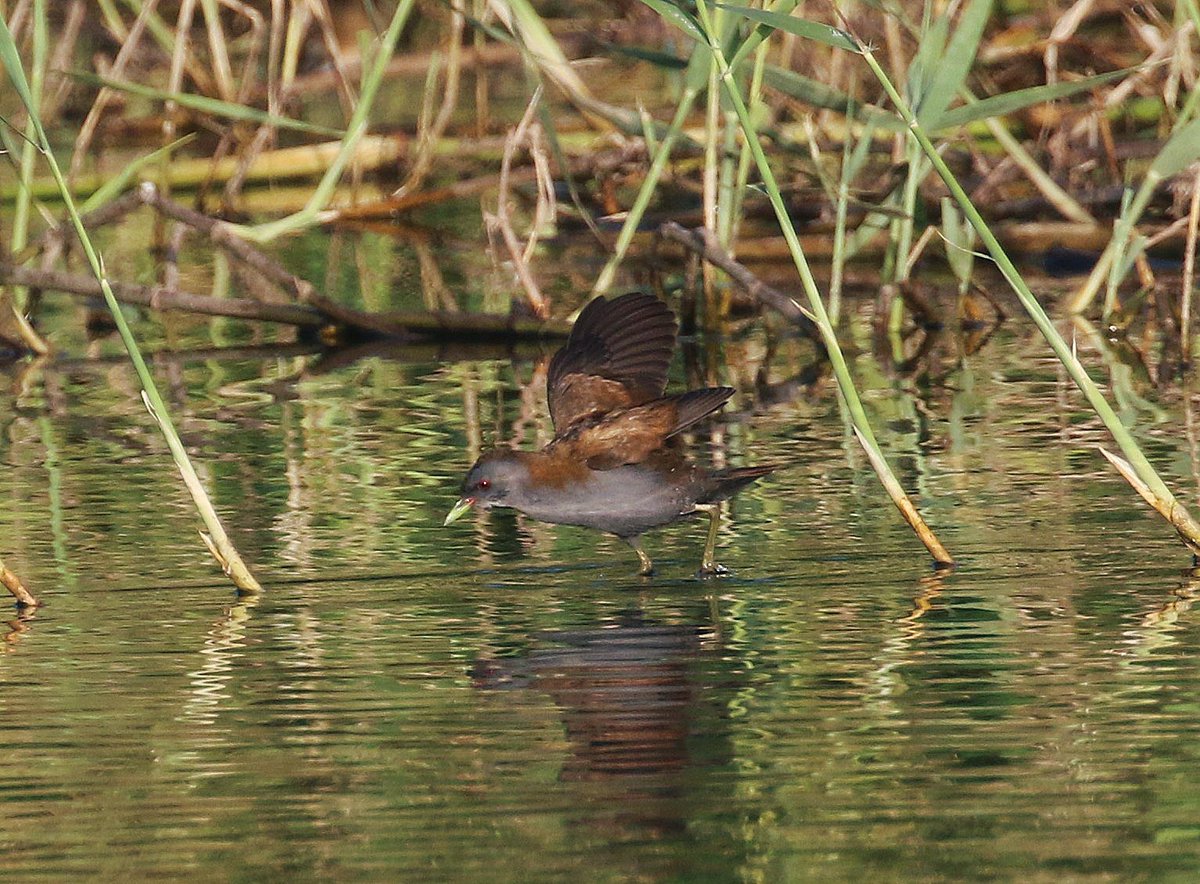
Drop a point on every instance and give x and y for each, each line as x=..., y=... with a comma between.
x=712, y=569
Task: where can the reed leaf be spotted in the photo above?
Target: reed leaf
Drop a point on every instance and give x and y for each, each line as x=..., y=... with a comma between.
x=116, y=185
x=1180, y=151
x=680, y=18
x=214, y=106
x=837, y=359
x=817, y=94
x=1019, y=99
x=809, y=30
x=949, y=71
x=1164, y=500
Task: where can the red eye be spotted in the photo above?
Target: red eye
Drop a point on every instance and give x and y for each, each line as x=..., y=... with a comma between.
x=485, y=484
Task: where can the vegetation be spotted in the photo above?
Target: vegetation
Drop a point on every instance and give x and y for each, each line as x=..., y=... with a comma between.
x=1082, y=128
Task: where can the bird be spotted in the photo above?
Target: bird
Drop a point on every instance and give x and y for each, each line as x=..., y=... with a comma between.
x=615, y=463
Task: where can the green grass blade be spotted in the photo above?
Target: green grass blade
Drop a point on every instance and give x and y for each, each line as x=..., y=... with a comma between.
x=1019, y=99
x=948, y=74
x=656, y=57
x=1165, y=502
x=219, y=543
x=214, y=106
x=11, y=59
x=809, y=30
x=1180, y=151
x=681, y=19
x=817, y=94
x=837, y=359
x=116, y=185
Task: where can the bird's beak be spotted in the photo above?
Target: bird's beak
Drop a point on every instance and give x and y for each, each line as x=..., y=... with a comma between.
x=459, y=510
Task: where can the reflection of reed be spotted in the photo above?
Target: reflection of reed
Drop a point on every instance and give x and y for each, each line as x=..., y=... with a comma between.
x=18, y=627
x=1159, y=628
x=209, y=683
x=898, y=650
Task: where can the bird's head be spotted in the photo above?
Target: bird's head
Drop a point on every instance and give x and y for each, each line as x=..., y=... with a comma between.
x=492, y=481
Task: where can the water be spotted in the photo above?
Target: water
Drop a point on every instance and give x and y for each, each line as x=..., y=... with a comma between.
x=503, y=700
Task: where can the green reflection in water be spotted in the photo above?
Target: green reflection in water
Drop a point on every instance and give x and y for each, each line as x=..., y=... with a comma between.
x=505, y=701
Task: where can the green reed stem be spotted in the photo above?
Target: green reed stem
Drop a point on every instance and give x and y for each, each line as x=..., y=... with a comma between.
x=217, y=540
x=837, y=360
x=1144, y=471
x=694, y=83
x=653, y=175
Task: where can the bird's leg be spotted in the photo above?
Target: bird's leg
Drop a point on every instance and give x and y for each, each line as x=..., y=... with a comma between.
x=708, y=565
x=647, y=567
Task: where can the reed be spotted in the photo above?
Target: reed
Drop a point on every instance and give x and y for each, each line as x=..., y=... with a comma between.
x=217, y=540
x=1134, y=467
x=816, y=306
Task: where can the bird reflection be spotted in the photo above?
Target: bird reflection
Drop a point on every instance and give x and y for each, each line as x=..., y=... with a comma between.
x=630, y=701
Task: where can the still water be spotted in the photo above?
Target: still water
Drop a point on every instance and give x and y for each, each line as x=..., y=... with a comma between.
x=503, y=700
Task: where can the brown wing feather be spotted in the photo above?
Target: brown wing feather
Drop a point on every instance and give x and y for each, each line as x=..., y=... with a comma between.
x=616, y=357
x=633, y=434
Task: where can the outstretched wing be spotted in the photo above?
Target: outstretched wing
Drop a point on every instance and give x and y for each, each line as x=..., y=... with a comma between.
x=633, y=434
x=616, y=357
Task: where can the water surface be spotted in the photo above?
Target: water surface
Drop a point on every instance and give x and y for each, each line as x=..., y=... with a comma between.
x=503, y=700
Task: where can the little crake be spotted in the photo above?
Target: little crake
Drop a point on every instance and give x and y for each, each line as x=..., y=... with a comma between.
x=614, y=463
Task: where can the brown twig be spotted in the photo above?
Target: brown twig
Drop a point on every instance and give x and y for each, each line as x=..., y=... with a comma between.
x=321, y=313
x=501, y=220
x=704, y=243
x=161, y=298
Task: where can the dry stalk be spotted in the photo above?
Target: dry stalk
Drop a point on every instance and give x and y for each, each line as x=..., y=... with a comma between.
x=14, y=585
x=1189, y=271
x=704, y=243
x=940, y=555
x=430, y=132
x=526, y=134
x=265, y=136
x=319, y=10
x=60, y=60
x=129, y=46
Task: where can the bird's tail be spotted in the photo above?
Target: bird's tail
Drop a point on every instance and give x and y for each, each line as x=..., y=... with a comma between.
x=726, y=483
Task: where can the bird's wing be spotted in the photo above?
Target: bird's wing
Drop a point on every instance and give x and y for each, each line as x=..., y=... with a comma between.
x=616, y=357
x=633, y=434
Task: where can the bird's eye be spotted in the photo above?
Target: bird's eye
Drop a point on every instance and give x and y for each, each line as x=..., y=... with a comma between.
x=485, y=484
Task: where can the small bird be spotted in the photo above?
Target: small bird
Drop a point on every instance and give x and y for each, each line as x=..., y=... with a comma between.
x=614, y=463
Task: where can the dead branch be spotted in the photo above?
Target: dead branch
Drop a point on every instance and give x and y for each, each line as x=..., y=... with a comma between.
x=704, y=243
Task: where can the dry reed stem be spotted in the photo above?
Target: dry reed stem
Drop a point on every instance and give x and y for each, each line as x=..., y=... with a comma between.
x=940, y=555
x=222, y=68
x=265, y=135
x=1179, y=518
x=14, y=585
x=87, y=131
x=1189, y=272
x=60, y=60
x=431, y=132
x=501, y=221
x=342, y=66
x=183, y=29
x=164, y=297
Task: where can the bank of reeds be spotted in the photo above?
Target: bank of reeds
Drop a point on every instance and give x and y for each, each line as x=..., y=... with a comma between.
x=766, y=102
